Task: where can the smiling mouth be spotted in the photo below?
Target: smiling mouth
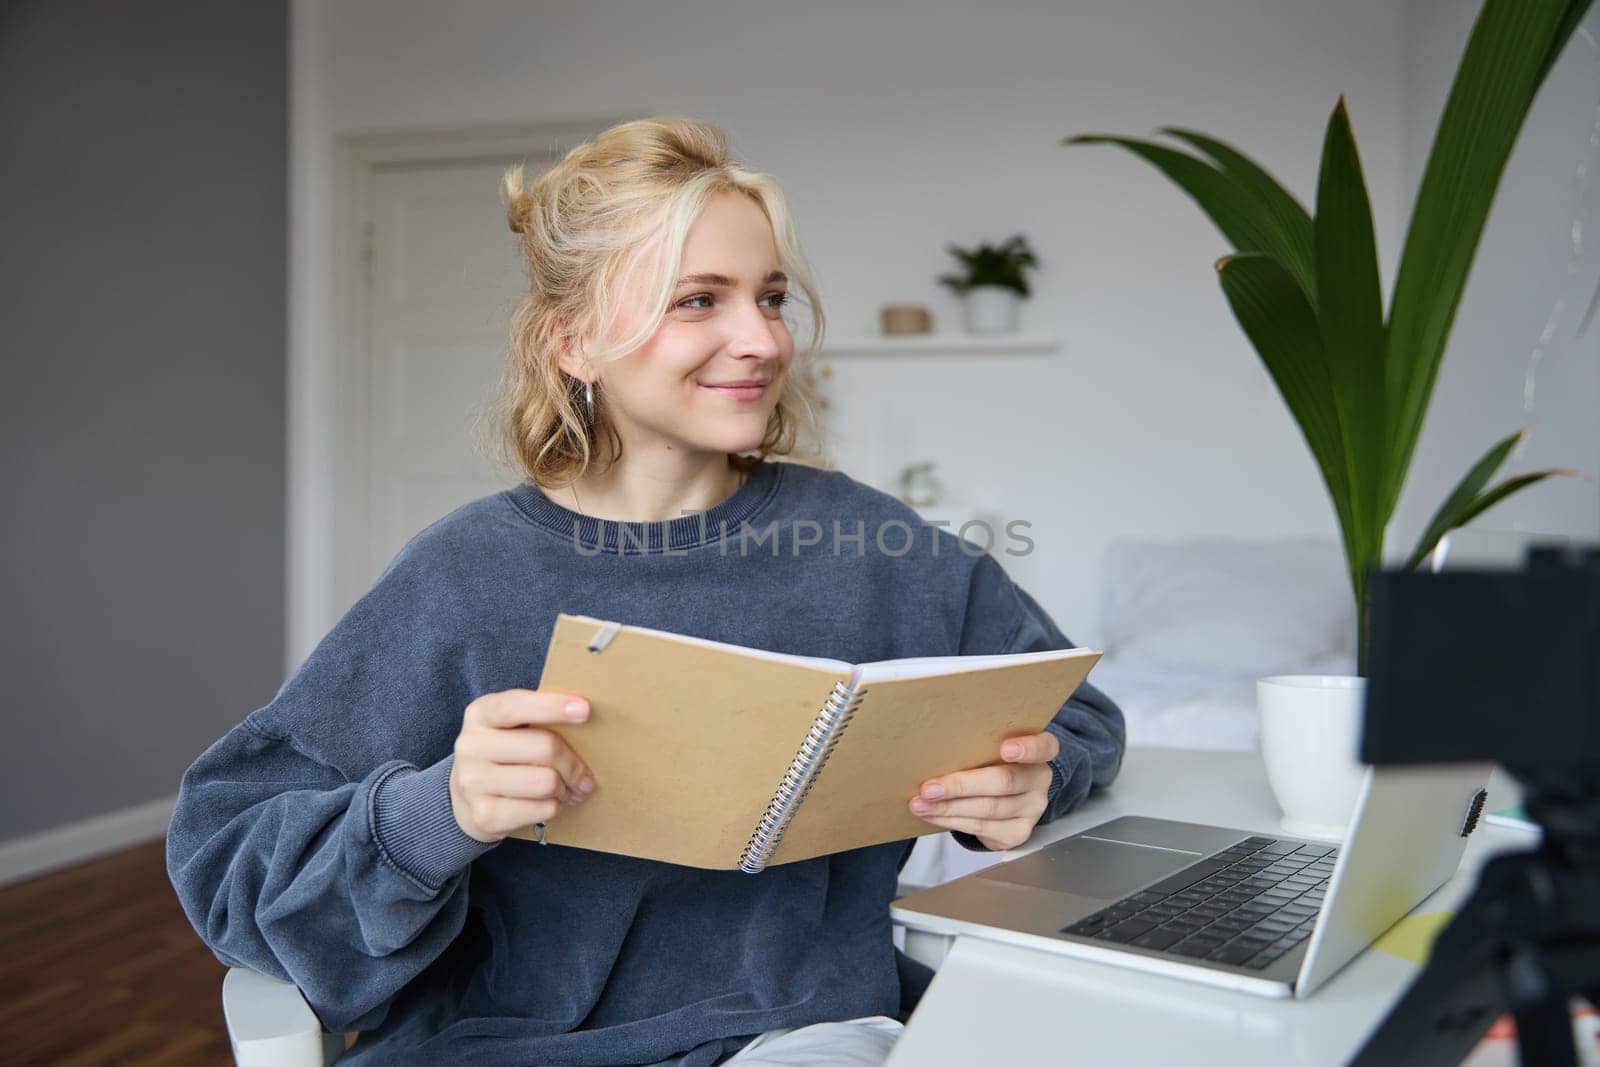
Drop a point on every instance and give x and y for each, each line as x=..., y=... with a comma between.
x=739, y=392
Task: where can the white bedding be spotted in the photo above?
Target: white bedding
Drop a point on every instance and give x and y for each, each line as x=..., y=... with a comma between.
x=1191, y=709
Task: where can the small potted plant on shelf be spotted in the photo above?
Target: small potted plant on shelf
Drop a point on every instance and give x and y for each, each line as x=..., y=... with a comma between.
x=994, y=285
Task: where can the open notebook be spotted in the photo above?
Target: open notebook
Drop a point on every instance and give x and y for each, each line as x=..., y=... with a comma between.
x=712, y=755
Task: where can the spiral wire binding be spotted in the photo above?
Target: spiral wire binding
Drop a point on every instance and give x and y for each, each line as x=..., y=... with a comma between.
x=814, y=752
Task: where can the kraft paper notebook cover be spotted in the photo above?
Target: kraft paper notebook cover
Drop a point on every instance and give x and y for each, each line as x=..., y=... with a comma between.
x=719, y=756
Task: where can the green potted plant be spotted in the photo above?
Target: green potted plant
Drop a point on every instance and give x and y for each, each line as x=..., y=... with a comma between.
x=994, y=284
x=1305, y=288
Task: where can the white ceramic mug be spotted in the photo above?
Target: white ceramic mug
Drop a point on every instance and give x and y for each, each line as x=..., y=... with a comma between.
x=1310, y=738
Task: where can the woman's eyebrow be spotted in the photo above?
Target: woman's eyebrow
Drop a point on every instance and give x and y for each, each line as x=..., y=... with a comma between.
x=722, y=281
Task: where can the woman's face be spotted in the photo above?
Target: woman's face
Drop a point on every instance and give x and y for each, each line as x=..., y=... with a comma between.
x=724, y=327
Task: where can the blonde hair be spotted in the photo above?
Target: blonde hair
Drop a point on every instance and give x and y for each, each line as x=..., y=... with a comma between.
x=588, y=225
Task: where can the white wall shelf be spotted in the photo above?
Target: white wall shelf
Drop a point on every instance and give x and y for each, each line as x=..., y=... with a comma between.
x=942, y=344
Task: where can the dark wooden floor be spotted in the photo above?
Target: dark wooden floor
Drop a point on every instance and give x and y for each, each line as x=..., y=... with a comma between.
x=99, y=966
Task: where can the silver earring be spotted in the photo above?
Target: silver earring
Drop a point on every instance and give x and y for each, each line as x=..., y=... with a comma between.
x=588, y=398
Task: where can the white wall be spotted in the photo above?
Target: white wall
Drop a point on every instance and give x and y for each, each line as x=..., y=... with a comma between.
x=919, y=124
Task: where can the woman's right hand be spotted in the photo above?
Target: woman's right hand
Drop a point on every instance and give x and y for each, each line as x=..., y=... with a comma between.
x=508, y=773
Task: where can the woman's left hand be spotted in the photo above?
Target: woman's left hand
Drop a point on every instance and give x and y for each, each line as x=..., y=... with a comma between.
x=999, y=804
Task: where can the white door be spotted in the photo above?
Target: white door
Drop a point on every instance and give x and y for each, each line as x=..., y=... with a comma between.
x=444, y=273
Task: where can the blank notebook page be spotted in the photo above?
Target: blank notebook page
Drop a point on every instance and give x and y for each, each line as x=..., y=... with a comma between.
x=928, y=666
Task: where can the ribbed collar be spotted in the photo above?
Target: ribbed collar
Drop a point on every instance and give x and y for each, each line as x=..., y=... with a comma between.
x=686, y=531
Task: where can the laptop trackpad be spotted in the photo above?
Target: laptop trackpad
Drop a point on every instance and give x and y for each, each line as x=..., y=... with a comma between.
x=1090, y=867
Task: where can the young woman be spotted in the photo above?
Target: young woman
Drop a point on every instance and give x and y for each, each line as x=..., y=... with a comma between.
x=349, y=836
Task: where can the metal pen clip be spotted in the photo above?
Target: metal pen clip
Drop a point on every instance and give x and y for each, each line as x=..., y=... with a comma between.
x=603, y=636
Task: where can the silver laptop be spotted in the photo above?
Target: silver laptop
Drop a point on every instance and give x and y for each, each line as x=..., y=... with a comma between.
x=1259, y=913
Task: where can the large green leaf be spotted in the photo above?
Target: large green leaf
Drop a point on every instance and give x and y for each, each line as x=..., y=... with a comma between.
x=1507, y=487
x=1512, y=47
x=1282, y=326
x=1250, y=223
x=1350, y=318
x=1293, y=238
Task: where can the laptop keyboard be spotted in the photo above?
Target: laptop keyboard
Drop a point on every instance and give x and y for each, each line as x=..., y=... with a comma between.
x=1245, y=906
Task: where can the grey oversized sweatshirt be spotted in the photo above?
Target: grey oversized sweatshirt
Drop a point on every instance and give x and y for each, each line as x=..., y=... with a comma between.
x=315, y=841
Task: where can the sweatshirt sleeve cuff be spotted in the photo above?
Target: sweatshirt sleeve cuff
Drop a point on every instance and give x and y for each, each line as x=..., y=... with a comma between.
x=415, y=826
x=969, y=841
x=1058, y=777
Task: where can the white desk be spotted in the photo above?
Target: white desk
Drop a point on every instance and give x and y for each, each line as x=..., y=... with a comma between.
x=991, y=1003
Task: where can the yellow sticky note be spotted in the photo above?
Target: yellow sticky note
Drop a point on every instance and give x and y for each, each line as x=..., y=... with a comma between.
x=1412, y=937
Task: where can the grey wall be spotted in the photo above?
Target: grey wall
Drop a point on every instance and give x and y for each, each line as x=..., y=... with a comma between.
x=143, y=161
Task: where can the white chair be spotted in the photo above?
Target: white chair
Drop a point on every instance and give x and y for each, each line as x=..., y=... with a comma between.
x=271, y=1025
